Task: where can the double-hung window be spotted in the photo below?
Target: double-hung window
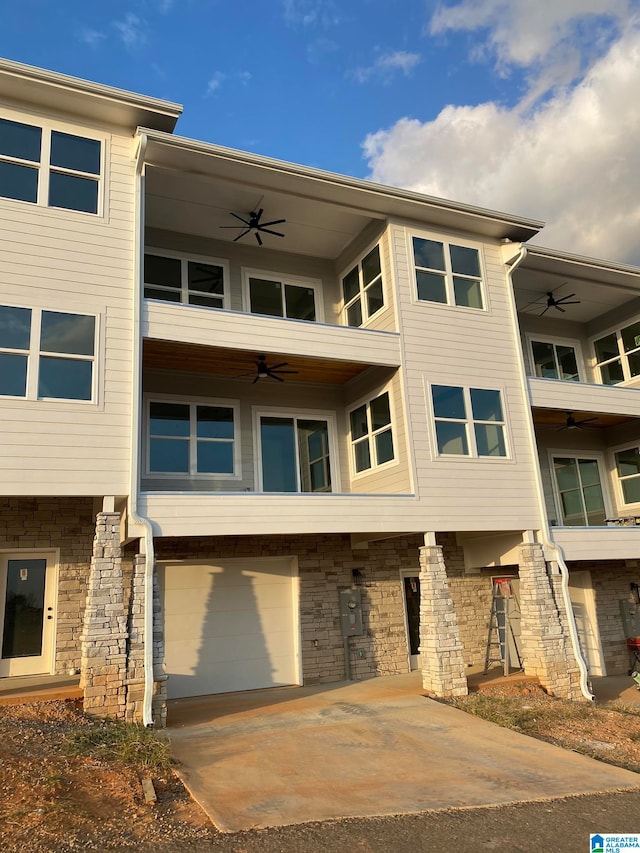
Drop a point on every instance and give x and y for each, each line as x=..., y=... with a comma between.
x=447, y=273
x=46, y=354
x=186, y=280
x=191, y=438
x=282, y=296
x=468, y=421
x=554, y=360
x=579, y=491
x=371, y=434
x=362, y=289
x=618, y=354
x=48, y=167
x=295, y=453
x=628, y=469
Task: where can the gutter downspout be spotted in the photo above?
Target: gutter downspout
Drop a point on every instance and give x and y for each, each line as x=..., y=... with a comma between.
x=134, y=467
x=545, y=533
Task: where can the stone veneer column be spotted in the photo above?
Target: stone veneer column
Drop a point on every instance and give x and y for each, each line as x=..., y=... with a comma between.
x=104, y=632
x=547, y=651
x=443, y=670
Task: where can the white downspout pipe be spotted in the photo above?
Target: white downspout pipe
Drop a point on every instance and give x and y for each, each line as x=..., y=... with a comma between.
x=134, y=467
x=548, y=544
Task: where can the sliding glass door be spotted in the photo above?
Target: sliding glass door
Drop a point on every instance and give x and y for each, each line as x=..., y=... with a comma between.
x=294, y=454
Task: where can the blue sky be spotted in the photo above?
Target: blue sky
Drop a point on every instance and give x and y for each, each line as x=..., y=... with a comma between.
x=529, y=106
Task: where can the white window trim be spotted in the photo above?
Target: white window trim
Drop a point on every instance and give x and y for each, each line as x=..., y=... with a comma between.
x=192, y=402
x=619, y=493
x=282, y=278
x=469, y=422
x=595, y=455
x=184, y=288
x=566, y=342
x=622, y=355
x=33, y=358
x=367, y=400
x=448, y=240
x=362, y=290
x=44, y=166
x=299, y=414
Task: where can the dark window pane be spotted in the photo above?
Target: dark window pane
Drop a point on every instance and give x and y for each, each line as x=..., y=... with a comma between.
x=428, y=254
x=162, y=271
x=634, y=363
x=631, y=337
x=486, y=405
x=362, y=455
x=20, y=140
x=431, y=287
x=319, y=477
x=371, y=266
x=594, y=503
x=205, y=278
x=572, y=508
x=490, y=440
x=631, y=490
x=568, y=363
x=168, y=456
x=384, y=447
x=300, y=302
x=15, y=327
x=465, y=261
x=628, y=462
x=313, y=449
x=467, y=293
x=543, y=359
x=215, y=457
x=452, y=438
x=612, y=373
x=13, y=375
x=265, y=297
x=64, y=378
x=380, y=413
x=205, y=301
x=606, y=348
x=215, y=422
x=354, y=314
x=375, y=299
x=278, y=455
x=18, y=182
x=75, y=152
x=359, y=426
x=448, y=402
x=589, y=473
x=157, y=293
x=351, y=284
x=566, y=473
x=169, y=419
x=69, y=333
x=73, y=193
x=24, y=608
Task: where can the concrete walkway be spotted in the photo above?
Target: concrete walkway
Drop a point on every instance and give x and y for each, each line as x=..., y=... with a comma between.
x=379, y=747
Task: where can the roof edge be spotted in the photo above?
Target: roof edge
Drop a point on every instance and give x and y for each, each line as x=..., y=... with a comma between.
x=581, y=260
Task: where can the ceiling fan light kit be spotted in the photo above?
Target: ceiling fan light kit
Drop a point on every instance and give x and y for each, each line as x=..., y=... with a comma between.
x=264, y=371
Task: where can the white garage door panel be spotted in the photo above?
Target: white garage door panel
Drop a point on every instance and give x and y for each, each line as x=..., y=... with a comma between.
x=229, y=627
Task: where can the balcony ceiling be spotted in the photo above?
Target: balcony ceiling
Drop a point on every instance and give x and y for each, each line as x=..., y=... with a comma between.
x=557, y=419
x=190, y=358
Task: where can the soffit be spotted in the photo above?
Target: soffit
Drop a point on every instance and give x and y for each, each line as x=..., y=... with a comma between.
x=555, y=418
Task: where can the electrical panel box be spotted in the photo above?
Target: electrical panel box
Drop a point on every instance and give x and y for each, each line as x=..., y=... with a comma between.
x=351, y=612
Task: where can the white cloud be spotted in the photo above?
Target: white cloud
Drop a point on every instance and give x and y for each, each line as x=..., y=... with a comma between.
x=386, y=65
x=131, y=30
x=220, y=77
x=91, y=37
x=573, y=160
x=311, y=13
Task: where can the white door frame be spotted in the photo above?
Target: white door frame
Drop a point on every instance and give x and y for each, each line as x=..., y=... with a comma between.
x=41, y=664
x=413, y=661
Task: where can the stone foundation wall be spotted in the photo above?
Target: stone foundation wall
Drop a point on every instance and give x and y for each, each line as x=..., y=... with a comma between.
x=67, y=524
x=325, y=565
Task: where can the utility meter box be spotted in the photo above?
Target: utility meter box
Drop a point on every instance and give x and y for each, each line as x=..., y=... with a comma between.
x=351, y=612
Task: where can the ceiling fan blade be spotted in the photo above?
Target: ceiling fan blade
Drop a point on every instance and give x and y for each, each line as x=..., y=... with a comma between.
x=586, y=421
x=575, y=302
x=244, y=375
x=278, y=221
x=542, y=313
x=256, y=379
x=564, y=298
x=258, y=239
x=244, y=233
x=259, y=213
x=559, y=308
x=282, y=364
x=246, y=225
x=273, y=376
x=269, y=231
x=271, y=370
x=235, y=215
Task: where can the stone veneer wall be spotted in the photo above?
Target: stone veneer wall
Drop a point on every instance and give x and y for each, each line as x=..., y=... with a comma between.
x=325, y=564
x=611, y=583
x=66, y=524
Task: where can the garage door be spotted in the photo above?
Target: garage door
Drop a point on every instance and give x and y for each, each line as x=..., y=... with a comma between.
x=232, y=625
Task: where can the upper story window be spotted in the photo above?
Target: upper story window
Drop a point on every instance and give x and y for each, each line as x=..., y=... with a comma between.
x=186, y=280
x=618, y=354
x=46, y=354
x=447, y=273
x=192, y=438
x=371, y=434
x=282, y=296
x=49, y=167
x=554, y=360
x=362, y=289
x=628, y=469
x=469, y=421
x=579, y=491
x=295, y=452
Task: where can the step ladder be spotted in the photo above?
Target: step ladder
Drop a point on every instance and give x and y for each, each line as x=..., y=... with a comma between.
x=504, y=605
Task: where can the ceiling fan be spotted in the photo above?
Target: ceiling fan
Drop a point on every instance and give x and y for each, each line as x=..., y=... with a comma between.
x=552, y=302
x=252, y=222
x=572, y=423
x=263, y=371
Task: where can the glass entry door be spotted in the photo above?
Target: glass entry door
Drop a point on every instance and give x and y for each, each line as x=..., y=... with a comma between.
x=411, y=585
x=26, y=614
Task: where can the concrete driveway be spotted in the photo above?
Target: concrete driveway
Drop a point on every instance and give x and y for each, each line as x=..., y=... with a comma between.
x=378, y=747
